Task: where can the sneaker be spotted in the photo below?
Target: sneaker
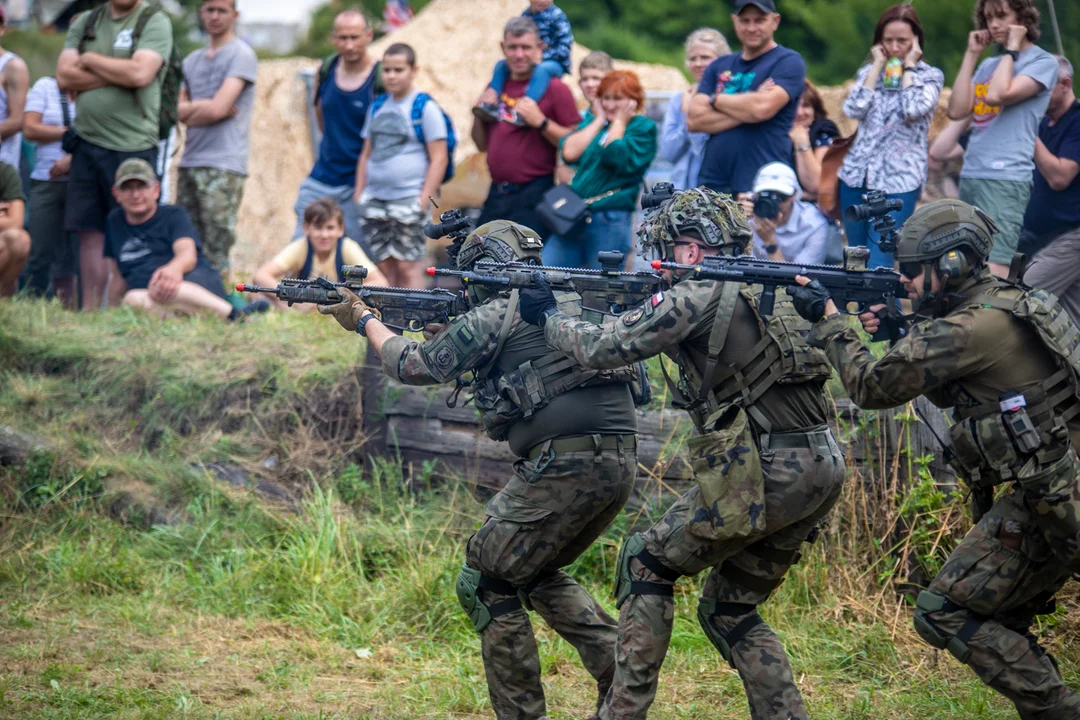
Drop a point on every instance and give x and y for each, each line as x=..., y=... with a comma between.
x=514, y=119
x=486, y=112
x=256, y=308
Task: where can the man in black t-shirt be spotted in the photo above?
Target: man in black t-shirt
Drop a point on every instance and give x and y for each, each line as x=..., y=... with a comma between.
x=747, y=101
x=157, y=252
x=1052, y=223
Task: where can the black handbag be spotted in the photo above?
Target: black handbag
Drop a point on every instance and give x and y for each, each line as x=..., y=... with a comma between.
x=562, y=209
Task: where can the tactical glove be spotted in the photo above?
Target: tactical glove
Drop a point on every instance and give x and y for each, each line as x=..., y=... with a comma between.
x=809, y=300
x=347, y=312
x=538, y=302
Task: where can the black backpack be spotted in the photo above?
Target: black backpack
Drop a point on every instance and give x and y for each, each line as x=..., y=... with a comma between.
x=174, y=64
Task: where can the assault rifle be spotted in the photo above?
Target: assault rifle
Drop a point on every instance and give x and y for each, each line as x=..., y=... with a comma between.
x=607, y=291
x=852, y=284
x=397, y=308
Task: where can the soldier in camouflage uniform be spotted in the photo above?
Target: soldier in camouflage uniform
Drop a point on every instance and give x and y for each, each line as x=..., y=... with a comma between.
x=575, y=432
x=1006, y=358
x=766, y=466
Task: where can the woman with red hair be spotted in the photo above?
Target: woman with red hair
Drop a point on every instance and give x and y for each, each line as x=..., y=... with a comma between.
x=612, y=148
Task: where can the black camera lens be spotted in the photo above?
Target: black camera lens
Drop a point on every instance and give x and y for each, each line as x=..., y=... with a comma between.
x=767, y=204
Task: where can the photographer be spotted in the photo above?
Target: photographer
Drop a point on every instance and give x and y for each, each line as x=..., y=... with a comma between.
x=786, y=228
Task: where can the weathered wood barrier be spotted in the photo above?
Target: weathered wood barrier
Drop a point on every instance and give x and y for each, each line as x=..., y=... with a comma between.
x=415, y=424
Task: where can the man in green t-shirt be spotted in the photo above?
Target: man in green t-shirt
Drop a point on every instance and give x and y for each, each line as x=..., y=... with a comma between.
x=118, y=81
x=14, y=241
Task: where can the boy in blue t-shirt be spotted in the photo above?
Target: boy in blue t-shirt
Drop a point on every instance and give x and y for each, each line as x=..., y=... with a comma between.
x=557, y=37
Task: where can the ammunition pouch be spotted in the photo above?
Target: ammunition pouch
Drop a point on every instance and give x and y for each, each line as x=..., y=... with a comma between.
x=509, y=397
x=989, y=450
x=730, y=502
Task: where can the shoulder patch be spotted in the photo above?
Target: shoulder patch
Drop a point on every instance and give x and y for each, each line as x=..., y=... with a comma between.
x=628, y=319
x=445, y=357
x=657, y=298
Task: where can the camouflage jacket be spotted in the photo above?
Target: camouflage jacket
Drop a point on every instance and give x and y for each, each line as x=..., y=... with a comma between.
x=678, y=323
x=965, y=359
x=470, y=343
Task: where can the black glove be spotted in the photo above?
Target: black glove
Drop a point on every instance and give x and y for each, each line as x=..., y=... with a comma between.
x=536, y=303
x=809, y=300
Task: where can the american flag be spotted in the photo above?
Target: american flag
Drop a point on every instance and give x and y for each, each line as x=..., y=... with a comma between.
x=396, y=13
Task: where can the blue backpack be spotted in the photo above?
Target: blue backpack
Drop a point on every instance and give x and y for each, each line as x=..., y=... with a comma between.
x=417, y=117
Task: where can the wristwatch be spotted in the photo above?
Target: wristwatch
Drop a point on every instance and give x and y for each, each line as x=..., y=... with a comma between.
x=803, y=148
x=361, y=324
x=1014, y=54
x=542, y=125
x=771, y=248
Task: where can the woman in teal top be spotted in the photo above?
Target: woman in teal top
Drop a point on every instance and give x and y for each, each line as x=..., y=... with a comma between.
x=611, y=149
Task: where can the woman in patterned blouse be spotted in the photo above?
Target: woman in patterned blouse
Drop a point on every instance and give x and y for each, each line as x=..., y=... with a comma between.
x=894, y=108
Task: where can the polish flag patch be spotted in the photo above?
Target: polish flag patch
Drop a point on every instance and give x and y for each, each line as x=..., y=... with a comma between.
x=657, y=298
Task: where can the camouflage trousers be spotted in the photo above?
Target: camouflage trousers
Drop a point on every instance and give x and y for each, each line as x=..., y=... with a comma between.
x=212, y=198
x=801, y=486
x=994, y=583
x=543, y=519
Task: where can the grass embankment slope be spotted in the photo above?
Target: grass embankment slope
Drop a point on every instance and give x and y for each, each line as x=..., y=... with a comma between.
x=342, y=606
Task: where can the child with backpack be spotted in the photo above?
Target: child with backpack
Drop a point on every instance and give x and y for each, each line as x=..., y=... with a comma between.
x=321, y=252
x=408, y=150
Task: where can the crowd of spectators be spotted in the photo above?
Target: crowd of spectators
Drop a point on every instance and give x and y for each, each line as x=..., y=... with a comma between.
x=751, y=124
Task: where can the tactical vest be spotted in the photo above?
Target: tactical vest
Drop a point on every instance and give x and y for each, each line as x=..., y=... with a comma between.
x=504, y=398
x=782, y=356
x=992, y=446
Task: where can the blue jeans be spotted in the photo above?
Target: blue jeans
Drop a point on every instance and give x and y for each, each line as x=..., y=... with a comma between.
x=861, y=233
x=538, y=83
x=607, y=230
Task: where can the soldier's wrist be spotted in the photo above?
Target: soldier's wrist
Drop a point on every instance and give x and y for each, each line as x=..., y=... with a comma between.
x=361, y=324
x=548, y=312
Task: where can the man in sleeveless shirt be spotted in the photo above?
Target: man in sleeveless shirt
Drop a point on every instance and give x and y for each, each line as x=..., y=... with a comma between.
x=341, y=104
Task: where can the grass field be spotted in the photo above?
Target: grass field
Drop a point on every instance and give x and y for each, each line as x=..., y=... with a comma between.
x=342, y=606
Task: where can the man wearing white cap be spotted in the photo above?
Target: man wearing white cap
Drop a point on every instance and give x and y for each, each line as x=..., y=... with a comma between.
x=785, y=228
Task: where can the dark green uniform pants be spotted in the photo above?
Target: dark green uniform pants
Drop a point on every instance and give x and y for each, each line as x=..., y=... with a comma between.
x=801, y=486
x=546, y=516
x=997, y=579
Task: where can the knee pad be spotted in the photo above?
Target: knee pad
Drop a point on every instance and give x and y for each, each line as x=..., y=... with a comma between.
x=468, y=586
x=724, y=641
x=625, y=586
x=957, y=645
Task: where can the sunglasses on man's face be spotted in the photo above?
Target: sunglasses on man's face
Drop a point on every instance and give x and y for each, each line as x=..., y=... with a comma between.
x=911, y=270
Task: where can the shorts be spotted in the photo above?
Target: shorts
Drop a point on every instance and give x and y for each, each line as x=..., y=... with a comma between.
x=393, y=228
x=93, y=171
x=1005, y=201
x=203, y=275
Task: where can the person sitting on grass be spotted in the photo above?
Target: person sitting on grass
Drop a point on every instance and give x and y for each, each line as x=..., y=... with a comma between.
x=14, y=241
x=155, y=254
x=322, y=252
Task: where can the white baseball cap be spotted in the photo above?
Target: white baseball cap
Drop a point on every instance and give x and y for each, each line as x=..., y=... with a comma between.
x=778, y=177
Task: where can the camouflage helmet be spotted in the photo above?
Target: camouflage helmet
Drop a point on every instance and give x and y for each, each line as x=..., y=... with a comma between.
x=499, y=241
x=715, y=218
x=944, y=225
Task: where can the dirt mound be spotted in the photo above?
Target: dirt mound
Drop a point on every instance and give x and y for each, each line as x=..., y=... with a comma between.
x=281, y=157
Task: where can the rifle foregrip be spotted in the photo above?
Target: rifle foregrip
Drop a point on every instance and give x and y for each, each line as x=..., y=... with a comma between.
x=319, y=296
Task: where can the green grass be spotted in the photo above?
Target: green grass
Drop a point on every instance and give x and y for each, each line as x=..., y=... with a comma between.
x=344, y=606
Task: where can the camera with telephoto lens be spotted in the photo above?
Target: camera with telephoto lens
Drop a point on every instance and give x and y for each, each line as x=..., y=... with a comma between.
x=452, y=222
x=661, y=193
x=767, y=204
